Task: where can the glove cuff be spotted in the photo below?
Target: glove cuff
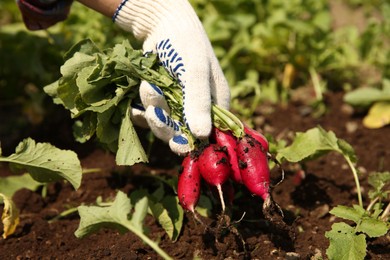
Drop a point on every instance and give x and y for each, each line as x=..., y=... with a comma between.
x=142, y=17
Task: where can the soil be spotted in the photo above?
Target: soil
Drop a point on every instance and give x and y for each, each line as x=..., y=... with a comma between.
x=328, y=182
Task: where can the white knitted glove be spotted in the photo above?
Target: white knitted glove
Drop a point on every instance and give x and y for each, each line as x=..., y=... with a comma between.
x=172, y=29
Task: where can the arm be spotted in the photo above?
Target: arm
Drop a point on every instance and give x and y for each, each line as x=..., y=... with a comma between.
x=105, y=7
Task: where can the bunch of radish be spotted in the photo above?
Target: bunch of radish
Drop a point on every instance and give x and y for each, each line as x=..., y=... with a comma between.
x=241, y=159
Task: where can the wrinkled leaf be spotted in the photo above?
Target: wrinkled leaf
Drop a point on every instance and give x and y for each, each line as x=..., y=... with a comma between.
x=10, y=216
x=372, y=227
x=45, y=162
x=378, y=116
x=365, y=223
x=314, y=143
x=92, y=218
x=354, y=213
x=345, y=244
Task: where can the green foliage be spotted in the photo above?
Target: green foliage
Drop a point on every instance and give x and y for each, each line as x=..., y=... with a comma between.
x=98, y=87
x=314, y=143
x=267, y=48
x=349, y=242
x=345, y=244
x=378, y=181
x=377, y=99
x=124, y=214
x=10, y=184
x=45, y=163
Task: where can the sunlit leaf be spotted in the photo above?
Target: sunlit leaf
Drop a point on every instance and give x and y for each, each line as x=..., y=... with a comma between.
x=345, y=244
x=313, y=143
x=45, y=162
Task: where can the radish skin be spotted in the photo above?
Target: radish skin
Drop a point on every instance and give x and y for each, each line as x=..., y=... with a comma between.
x=258, y=136
x=188, y=189
x=226, y=139
x=254, y=168
x=214, y=167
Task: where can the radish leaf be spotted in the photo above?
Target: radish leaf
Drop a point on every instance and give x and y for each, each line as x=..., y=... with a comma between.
x=354, y=214
x=378, y=181
x=10, y=184
x=372, y=227
x=314, y=143
x=170, y=215
x=345, y=244
x=130, y=150
x=45, y=162
x=117, y=215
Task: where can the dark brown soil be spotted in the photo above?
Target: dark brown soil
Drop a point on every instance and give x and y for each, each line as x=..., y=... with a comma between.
x=328, y=183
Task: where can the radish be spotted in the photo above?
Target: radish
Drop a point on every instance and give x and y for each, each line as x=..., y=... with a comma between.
x=188, y=189
x=258, y=136
x=214, y=167
x=254, y=168
x=226, y=139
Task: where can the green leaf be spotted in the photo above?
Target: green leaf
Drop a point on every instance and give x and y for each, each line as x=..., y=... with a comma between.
x=205, y=206
x=9, y=185
x=140, y=211
x=366, y=96
x=92, y=218
x=345, y=244
x=355, y=214
x=130, y=150
x=84, y=46
x=372, y=227
x=378, y=180
x=170, y=215
x=314, y=143
x=85, y=129
x=46, y=163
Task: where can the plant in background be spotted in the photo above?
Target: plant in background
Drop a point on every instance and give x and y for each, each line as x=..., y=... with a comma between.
x=375, y=100
x=346, y=241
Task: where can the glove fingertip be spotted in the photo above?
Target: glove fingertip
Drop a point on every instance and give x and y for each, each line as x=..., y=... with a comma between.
x=179, y=144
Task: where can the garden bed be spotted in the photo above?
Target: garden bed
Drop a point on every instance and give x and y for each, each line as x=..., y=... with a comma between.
x=328, y=183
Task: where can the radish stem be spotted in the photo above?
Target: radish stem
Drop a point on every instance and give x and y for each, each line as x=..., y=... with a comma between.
x=356, y=177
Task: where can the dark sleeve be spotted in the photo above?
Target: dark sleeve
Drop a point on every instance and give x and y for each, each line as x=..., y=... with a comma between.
x=41, y=14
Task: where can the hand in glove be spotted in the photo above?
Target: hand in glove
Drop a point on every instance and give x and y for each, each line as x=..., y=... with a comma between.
x=41, y=14
x=172, y=29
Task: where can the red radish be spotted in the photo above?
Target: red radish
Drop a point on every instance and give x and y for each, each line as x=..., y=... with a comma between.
x=258, y=136
x=253, y=163
x=214, y=167
x=226, y=139
x=188, y=189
